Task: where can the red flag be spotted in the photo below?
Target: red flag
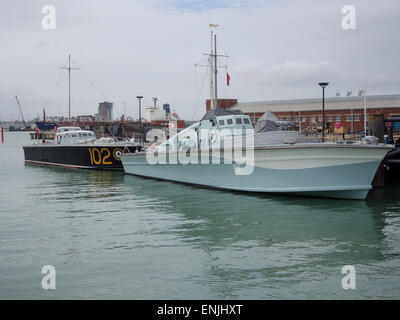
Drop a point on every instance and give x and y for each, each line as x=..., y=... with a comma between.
x=228, y=79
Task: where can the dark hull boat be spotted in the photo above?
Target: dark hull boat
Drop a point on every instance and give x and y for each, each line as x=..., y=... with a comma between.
x=77, y=148
x=74, y=147
x=46, y=126
x=88, y=156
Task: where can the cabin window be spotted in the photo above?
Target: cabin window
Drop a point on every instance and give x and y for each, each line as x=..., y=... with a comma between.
x=221, y=122
x=74, y=135
x=79, y=135
x=84, y=134
x=246, y=121
x=229, y=121
x=238, y=120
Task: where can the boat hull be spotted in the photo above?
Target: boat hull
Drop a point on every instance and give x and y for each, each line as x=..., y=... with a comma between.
x=306, y=170
x=100, y=157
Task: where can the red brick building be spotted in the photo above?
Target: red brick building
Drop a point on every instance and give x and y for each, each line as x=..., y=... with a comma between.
x=222, y=103
x=349, y=111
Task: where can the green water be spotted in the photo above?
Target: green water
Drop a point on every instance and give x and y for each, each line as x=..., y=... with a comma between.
x=115, y=236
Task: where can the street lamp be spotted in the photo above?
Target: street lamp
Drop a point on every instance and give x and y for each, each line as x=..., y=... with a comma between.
x=140, y=119
x=323, y=85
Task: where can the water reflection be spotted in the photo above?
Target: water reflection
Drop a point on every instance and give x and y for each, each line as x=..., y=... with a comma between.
x=219, y=218
x=183, y=239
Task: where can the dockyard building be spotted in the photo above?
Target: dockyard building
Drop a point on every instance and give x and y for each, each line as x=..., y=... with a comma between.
x=307, y=113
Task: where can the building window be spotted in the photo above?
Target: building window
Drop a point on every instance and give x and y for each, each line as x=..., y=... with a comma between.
x=348, y=117
x=330, y=118
x=356, y=117
x=304, y=119
x=288, y=119
x=320, y=118
x=338, y=117
x=296, y=119
x=281, y=118
x=312, y=118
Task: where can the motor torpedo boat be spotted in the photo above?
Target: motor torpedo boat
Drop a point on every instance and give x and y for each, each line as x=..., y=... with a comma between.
x=77, y=148
x=223, y=151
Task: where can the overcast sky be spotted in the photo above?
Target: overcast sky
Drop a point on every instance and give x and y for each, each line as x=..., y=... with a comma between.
x=277, y=50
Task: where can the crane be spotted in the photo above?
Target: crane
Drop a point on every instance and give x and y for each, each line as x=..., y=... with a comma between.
x=20, y=110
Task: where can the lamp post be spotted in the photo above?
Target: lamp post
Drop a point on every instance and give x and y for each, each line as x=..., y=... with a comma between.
x=362, y=92
x=323, y=85
x=140, y=119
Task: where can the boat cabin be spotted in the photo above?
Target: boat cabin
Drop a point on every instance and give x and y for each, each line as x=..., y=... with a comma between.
x=217, y=125
x=73, y=135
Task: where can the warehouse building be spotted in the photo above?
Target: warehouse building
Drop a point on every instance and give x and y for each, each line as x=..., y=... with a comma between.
x=348, y=112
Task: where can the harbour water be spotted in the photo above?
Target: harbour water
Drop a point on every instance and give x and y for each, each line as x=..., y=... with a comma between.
x=122, y=237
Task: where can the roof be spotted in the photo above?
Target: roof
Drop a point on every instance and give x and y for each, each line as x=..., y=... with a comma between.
x=213, y=113
x=336, y=103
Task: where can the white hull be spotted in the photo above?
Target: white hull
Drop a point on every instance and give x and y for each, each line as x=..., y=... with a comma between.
x=325, y=170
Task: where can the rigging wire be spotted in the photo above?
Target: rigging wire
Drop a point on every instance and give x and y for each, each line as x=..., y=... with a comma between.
x=198, y=92
x=90, y=81
x=54, y=90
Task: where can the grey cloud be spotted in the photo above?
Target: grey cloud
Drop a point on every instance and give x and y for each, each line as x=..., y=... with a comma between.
x=276, y=50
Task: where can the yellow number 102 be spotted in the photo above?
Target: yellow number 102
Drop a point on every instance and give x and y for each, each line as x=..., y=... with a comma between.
x=96, y=156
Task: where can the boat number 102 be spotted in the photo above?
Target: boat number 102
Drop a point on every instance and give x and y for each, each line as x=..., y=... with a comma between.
x=102, y=156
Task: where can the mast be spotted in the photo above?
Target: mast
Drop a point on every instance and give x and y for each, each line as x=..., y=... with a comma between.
x=212, y=64
x=212, y=71
x=69, y=86
x=215, y=71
